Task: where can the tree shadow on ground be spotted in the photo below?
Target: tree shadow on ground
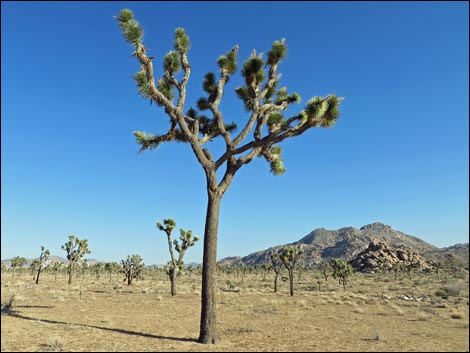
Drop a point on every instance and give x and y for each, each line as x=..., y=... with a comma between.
x=127, y=332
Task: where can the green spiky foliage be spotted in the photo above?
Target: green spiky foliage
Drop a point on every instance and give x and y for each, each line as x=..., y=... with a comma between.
x=171, y=63
x=342, y=270
x=75, y=249
x=130, y=28
x=56, y=268
x=176, y=265
x=324, y=268
x=98, y=269
x=42, y=261
x=112, y=267
x=181, y=41
x=268, y=124
x=133, y=268
x=17, y=262
x=289, y=257
x=277, y=53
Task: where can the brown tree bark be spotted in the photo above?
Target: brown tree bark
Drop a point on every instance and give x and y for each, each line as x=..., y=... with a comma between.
x=208, y=329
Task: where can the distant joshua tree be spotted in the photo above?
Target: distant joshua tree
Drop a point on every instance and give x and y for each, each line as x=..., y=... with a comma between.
x=175, y=266
x=19, y=262
x=341, y=271
x=324, y=268
x=56, y=267
x=276, y=266
x=75, y=249
x=289, y=257
x=132, y=267
x=43, y=259
x=111, y=267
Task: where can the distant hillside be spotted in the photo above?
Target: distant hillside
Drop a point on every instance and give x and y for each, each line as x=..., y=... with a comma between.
x=52, y=259
x=347, y=243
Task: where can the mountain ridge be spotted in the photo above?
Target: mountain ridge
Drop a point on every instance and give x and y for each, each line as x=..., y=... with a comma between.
x=348, y=242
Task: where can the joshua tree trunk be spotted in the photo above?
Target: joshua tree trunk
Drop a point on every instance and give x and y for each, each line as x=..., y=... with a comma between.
x=173, y=282
x=70, y=274
x=37, y=277
x=291, y=281
x=275, y=282
x=208, y=328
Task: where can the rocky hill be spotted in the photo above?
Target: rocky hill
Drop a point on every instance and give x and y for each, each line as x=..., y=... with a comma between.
x=347, y=243
x=379, y=256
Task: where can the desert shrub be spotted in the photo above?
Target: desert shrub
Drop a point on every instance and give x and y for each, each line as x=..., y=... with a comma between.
x=453, y=288
x=441, y=293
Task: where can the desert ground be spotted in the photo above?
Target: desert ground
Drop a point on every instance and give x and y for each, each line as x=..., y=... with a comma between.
x=108, y=315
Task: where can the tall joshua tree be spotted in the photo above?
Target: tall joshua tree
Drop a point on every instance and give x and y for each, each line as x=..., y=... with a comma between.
x=263, y=102
x=276, y=266
x=187, y=240
x=43, y=258
x=75, y=249
x=289, y=257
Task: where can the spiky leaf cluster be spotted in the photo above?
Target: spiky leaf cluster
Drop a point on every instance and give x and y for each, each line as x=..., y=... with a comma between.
x=245, y=94
x=290, y=255
x=171, y=62
x=130, y=28
x=282, y=96
x=166, y=88
x=147, y=141
x=187, y=240
x=181, y=42
x=323, y=111
x=228, y=62
x=143, y=85
x=275, y=121
x=168, y=225
x=277, y=53
x=253, y=71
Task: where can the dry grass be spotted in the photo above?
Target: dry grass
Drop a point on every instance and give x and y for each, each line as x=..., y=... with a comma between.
x=93, y=315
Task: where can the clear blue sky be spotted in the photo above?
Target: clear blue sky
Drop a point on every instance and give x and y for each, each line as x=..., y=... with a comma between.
x=69, y=163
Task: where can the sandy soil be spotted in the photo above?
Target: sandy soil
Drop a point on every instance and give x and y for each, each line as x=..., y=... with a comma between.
x=92, y=315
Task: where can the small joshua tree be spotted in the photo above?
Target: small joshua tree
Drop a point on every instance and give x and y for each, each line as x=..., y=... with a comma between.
x=19, y=262
x=175, y=266
x=98, y=269
x=43, y=260
x=324, y=268
x=111, y=267
x=341, y=271
x=289, y=257
x=75, y=249
x=56, y=267
x=132, y=267
x=276, y=266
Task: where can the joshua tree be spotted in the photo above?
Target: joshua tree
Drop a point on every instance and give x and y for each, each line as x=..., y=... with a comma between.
x=97, y=269
x=111, y=267
x=263, y=102
x=175, y=266
x=43, y=259
x=324, y=268
x=289, y=257
x=56, y=267
x=341, y=271
x=132, y=267
x=276, y=266
x=75, y=249
x=19, y=262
